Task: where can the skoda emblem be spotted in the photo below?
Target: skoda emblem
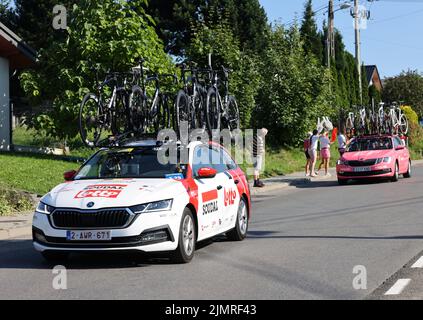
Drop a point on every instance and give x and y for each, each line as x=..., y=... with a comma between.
x=90, y=204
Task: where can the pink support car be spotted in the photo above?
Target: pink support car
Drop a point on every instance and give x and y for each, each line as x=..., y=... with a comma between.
x=374, y=157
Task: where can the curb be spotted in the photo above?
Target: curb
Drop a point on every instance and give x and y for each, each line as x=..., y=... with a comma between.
x=273, y=186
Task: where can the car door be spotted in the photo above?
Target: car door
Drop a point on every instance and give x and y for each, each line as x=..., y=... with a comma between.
x=399, y=154
x=403, y=154
x=210, y=193
x=233, y=185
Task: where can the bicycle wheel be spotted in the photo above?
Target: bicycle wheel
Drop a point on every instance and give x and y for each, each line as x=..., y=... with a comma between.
x=91, y=120
x=212, y=110
x=199, y=114
x=403, y=124
x=120, y=113
x=137, y=109
x=182, y=110
x=232, y=117
x=162, y=120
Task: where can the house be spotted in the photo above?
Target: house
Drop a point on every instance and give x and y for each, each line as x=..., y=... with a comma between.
x=373, y=77
x=14, y=55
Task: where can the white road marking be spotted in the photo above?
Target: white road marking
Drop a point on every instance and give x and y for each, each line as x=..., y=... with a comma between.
x=398, y=287
x=418, y=264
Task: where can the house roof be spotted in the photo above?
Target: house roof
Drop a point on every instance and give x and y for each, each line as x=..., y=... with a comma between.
x=19, y=54
x=370, y=73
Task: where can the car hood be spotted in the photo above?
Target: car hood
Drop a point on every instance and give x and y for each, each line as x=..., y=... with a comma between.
x=96, y=194
x=366, y=155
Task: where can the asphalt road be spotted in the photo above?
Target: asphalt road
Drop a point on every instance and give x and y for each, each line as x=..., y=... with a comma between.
x=304, y=243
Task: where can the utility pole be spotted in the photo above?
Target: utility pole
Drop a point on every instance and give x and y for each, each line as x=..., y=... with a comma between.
x=358, y=46
x=330, y=39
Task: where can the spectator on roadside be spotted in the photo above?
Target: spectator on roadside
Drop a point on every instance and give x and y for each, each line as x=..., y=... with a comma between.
x=258, y=154
x=342, y=142
x=312, y=150
x=325, y=152
x=307, y=153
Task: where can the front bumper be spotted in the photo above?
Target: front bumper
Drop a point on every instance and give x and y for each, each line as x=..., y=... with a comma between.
x=148, y=233
x=376, y=171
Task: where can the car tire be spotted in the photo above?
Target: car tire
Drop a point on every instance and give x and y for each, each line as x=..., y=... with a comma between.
x=187, y=238
x=239, y=233
x=408, y=173
x=55, y=256
x=395, y=178
x=342, y=182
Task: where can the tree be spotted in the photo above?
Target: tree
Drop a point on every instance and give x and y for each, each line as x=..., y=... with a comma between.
x=6, y=15
x=110, y=34
x=312, y=39
x=406, y=87
x=175, y=18
x=33, y=21
x=296, y=91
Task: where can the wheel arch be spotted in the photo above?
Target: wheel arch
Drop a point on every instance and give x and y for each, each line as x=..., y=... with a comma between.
x=191, y=207
x=245, y=197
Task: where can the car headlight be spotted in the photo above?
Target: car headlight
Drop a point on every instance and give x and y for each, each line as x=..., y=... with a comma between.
x=385, y=160
x=163, y=205
x=43, y=208
x=342, y=162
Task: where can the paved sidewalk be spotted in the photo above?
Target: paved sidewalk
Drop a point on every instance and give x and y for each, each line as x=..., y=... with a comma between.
x=15, y=225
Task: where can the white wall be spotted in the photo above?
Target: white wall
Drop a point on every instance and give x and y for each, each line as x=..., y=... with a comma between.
x=5, y=138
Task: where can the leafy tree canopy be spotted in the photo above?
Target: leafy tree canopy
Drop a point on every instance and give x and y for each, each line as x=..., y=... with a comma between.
x=110, y=34
x=407, y=88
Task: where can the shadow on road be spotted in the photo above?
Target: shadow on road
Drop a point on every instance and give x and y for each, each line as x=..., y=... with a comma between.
x=275, y=235
x=20, y=254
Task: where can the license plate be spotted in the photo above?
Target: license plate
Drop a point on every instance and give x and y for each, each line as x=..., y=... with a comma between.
x=363, y=169
x=87, y=235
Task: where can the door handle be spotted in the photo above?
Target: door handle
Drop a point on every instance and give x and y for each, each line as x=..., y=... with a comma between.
x=219, y=187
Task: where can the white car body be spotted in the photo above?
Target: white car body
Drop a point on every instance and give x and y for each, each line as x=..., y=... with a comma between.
x=214, y=202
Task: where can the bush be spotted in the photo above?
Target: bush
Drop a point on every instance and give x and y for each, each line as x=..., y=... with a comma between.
x=12, y=201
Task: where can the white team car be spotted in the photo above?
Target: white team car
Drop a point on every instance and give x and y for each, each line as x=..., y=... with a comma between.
x=124, y=199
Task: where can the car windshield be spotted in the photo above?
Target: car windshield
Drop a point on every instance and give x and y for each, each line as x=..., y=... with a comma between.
x=128, y=163
x=370, y=144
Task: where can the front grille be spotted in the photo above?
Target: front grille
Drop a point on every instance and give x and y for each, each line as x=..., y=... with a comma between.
x=365, y=174
x=365, y=163
x=116, y=242
x=108, y=218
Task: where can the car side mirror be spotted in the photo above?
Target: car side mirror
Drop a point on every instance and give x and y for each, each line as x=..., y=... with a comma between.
x=206, y=173
x=69, y=175
x=399, y=148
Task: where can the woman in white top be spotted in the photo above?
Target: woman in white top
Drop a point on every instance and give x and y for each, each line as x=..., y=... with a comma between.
x=325, y=152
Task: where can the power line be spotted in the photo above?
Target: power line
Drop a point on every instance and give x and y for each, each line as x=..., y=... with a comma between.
x=396, y=17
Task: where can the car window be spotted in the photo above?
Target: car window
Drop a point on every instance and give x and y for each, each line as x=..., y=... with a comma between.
x=370, y=144
x=127, y=163
x=218, y=161
x=201, y=159
x=229, y=162
x=396, y=143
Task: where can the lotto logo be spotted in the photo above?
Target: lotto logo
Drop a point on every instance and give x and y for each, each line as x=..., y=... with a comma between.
x=101, y=191
x=230, y=196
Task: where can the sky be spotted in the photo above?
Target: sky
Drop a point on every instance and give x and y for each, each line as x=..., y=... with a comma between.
x=393, y=39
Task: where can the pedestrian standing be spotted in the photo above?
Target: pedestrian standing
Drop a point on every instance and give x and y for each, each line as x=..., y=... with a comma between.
x=258, y=155
x=342, y=142
x=307, y=153
x=325, y=152
x=314, y=141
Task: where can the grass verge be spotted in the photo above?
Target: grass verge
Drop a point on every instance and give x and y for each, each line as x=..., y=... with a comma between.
x=32, y=173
